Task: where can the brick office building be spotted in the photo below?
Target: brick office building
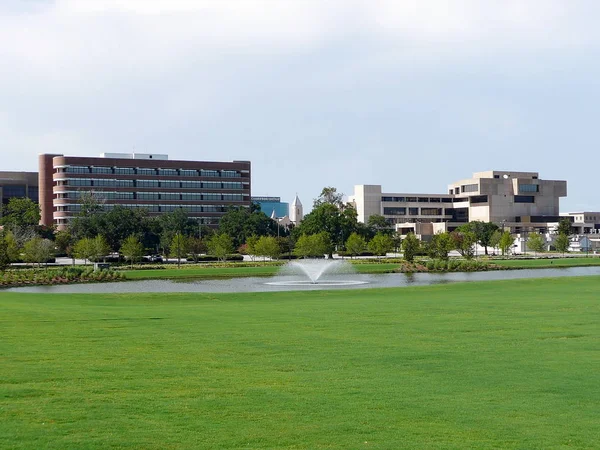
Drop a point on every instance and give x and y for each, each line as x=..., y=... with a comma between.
x=204, y=189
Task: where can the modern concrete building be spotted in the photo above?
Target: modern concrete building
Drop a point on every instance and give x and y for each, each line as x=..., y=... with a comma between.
x=204, y=189
x=18, y=185
x=513, y=200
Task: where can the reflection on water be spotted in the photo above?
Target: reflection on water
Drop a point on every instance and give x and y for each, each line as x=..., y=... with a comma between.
x=266, y=284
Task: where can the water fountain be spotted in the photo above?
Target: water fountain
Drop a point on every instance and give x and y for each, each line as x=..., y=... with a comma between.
x=322, y=272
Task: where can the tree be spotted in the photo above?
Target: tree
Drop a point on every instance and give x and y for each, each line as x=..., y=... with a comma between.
x=267, y=246
x=12, y=247
x=562, y=243
x=100, y=248
x=38, y=250
x=132, y=249
x=536, y=242
x=410, y=247
x=242, y=222
x=84, y=249
x=483, y=232
x=313, y=245
x=329, y=195
x=220, y=245
x=20, y=212
x=464, y=242
x=196, y=246
x=440, y=246
x=179, y=247
x=495, y=239
x=378, y=224
x=4, y=257
x=355, y=244
x=564, y=226
x=251, y=242
x=381, y=244
x=506, y=242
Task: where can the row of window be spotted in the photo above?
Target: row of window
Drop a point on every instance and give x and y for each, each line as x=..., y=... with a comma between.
x=529, y=188
x=174, y=184
x=76, y=208
x=416, y=199
x=189, y=196
x=414, y=211
x=151, y=172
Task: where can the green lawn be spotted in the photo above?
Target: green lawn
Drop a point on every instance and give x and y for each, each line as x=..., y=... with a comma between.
x=512, y=364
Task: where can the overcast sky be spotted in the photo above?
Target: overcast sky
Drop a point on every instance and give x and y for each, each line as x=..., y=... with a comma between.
x=409, y=94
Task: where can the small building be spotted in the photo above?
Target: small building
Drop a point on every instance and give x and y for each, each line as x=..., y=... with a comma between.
x=18, y=185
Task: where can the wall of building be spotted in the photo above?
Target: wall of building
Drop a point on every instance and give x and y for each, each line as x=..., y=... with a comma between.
x=18, y=185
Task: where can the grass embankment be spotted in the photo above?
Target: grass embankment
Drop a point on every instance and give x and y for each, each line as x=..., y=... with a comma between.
x=476, y=365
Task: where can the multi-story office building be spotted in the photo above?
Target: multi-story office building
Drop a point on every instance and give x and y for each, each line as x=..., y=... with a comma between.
x=204, y=189
x=18, y=185
x=514, y=200
x=272, y=205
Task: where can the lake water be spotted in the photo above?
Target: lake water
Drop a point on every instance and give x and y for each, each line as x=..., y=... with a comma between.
x=287, y=283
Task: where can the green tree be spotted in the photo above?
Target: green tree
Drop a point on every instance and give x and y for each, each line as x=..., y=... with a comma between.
x=12, y=246
x=495, y=239
x=329, y=195
x=251, y=242
x=196, y=246
x=506, y=242
x=564, y=226
x=132, y=249
x=440, y=246
x=313, y=245
x=4, y=256
x=381, y=244
x=38, y=250
x=464, y=242
x=536, y=242
x=410, y=247
x=179, y=246
x=483, y=232
x=20, y=212
x=355, y=244
x=84, y=249
x=100, y=248
x=378, y=224
x=242, y=222
x=562, y=243
x=267, y=246
x=220, y=245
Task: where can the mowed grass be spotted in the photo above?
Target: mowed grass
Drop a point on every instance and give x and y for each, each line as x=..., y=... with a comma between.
x=512, y=364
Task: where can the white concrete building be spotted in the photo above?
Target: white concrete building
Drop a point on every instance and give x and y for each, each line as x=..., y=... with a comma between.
x=514, y=200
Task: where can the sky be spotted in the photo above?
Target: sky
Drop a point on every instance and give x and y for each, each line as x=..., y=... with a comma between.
x=409, y=94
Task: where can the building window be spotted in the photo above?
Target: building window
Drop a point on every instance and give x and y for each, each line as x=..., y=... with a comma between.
x=411, y=199
x=423, y=199
x=147, y=183
x=413, y=211
x=431, y=211
x=124, y=171
x=387, y=199
x=144, y=171
x=230, y=174
x=77, y=169
x=529, y=188
x=209, y=173
x=233, y=197
x=147, y=195
x=524, y=199
x=170, y=184
x=434, y=200
x=211, y=185
x=394, y=211
x=188, y=173
x=211, y=196
x=478, y=199
x=232, y=185
x=446, y=200
x=167, y=172
x=191, y=184
x=102, y=170
x=469, y=187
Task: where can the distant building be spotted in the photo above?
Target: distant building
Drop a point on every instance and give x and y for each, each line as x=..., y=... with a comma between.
x=514, y=200
x=270, y=205
x=18, y=185
x=204, y=189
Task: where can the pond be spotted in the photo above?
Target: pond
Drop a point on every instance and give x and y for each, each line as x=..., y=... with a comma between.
x=291, y=282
